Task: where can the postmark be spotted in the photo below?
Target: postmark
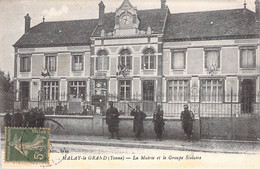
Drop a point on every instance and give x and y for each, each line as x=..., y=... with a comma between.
x=27, y=145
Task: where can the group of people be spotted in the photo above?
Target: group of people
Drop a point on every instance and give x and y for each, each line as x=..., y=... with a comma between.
x=112, y=120
x=28, y=118
x=35, y=118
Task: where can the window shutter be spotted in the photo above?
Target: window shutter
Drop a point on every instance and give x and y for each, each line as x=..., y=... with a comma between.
x=154, y=56
x=81, y=62
x=46, y=63
x=29, y=64
x=97, y=60
x=172, y=59
x=73, y=63
x=206, y=60
x=142, y=62
x=91, y=66
x=21, y=64
x=130, y=57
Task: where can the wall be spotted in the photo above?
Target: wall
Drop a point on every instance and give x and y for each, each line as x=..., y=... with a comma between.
x=242, y=128
x=89, y=125
x=229, y=57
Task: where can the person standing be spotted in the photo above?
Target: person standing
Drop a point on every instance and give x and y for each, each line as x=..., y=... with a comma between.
x=32, y=118
x=7, y=119
x=18, y=119
x=138, y=126
x=40, y=118
x=187, y=118
x=58, y=109
x=112, y=120
x=158, y=122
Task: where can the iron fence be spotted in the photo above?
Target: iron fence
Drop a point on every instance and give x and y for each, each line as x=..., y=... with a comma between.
x=210, y=105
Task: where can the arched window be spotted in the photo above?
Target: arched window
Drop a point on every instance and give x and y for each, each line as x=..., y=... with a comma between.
x=125, y=59
x=102, y=62
x=148, y=59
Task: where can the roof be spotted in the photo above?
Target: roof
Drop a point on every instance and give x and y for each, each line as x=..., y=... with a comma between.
x=221, y=23
x=181, y=26
x=153, y=18
x=59, y=33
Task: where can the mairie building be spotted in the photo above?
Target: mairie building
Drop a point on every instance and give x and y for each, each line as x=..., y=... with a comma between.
x=141, y=56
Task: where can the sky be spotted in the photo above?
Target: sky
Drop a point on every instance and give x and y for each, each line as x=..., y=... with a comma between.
x=13, y=12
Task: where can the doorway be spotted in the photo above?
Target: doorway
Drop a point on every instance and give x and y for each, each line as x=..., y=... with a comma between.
x=25, y=94
x=148, y=95
x=247, y=95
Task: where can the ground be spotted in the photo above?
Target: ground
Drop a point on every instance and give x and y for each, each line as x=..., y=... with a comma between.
x=93, y=156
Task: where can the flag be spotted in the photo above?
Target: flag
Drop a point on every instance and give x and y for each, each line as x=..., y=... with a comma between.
x=45, y=73
x=122, y=70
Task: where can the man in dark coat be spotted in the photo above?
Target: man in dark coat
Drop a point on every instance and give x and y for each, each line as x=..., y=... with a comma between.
x=40, y=118
x=112, y=120
x=158, y=122
x=7, y=119
x=58, y=109
x=32, y=118
x=187, y=121
x=26, y=117
x=138, y=127
x=18, y=119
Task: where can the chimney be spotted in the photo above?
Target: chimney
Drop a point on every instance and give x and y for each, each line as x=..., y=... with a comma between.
x=101, y=13
x=27, y=23
x=257, y=10
x=163, y=4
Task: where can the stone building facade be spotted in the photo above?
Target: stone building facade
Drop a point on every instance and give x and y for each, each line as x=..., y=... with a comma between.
x=149, y=55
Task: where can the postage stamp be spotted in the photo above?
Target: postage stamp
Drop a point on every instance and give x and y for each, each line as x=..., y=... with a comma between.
x=27, y=145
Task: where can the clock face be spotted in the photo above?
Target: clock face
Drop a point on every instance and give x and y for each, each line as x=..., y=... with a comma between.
x=126, y=19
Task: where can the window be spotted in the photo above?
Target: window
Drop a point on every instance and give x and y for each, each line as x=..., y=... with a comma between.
x=25, y=64
x=148, y=59
x=51, y=90
x=148, y=90
x=125, y=89
x=77, y=89
x=77, y=63
x=178, y=90
x=50, y=63
x=102, y=62
x=178, y=59
x=248, y=57
x=212, y=58
x=212, y=90
x=125, y=59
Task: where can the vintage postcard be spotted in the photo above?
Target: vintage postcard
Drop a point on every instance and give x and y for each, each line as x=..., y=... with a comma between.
x=130, y=84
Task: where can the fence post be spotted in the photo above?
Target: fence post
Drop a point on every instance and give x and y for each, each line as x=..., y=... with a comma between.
x=231, y=119
x=231, y=102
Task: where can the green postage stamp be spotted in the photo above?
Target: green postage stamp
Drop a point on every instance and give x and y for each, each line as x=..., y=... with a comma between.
x=27, y=145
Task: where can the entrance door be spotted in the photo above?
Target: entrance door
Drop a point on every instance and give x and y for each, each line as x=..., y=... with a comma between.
x=101, y=90
x=25, y=94
x=247, y=95
x=148, y=96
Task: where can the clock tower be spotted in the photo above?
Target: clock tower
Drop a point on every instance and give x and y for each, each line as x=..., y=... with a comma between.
x=126, y=19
